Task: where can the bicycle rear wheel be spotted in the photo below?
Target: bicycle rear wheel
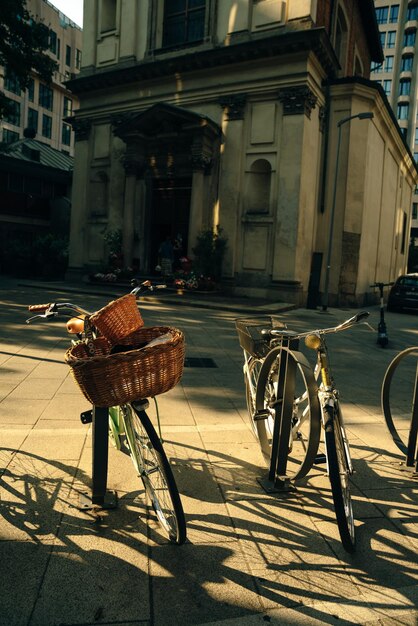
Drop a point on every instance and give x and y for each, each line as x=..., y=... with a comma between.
x=152, y=465
x=253, y=366
x=339, y=472
x=397, y=396
x=306, y=422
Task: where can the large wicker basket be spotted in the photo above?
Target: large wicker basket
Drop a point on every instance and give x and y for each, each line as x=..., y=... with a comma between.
x=118, y=319
x=109, y=379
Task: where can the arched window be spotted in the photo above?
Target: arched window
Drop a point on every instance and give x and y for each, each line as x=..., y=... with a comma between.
x=341, y=38
x=258, y=183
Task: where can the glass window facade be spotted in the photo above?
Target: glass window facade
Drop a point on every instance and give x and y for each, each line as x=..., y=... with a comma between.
x=46, y=126
x=46, y=97
x=394, y=13
x=382, y=14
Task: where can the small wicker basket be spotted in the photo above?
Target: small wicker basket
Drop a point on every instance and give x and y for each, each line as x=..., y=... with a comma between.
x=118, y=319
x=140, y=372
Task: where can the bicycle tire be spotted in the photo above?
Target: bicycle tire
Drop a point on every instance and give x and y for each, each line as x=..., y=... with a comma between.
x=152, y=465
x=402, y=444
x=251, y=378
x=338, y=471
x=306, y=421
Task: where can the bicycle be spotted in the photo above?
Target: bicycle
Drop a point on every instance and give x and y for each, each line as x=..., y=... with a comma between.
x=128, y=426
x=287, y=409
x=402, y=425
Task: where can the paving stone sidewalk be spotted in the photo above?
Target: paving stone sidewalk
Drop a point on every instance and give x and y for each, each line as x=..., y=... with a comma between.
x=251, y=558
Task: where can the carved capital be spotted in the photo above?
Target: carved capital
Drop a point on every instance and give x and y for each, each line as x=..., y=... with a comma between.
x=133, y=167
x=201, y=162
x=234, y=106
x=297, y=100
x=81, y=127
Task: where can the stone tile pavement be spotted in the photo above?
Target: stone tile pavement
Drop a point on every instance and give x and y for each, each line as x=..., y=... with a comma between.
x=251, y=558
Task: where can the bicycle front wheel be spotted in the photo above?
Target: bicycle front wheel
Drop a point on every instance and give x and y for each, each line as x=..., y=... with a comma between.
x=398, y=391
x=339, y=471
x=152, y=465
x=305, y=428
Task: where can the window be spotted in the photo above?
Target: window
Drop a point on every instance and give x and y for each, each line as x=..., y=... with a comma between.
x=409, y=38
x=406, y=63
x=184, y=22
x=394, y=14
x=53, y=41
x=46, y=126
x=416, y=135
x=387, y=87
x=10, y=136
x=388, y=64
x=376, y=67
x=78, y=58
x=66, y=134
x=11, y=82
x=382, y=15
x=58, y=48
x=414, y=210
x=13, y=115
x=33, y=119
x=391, y=39
x=31, y=90
x=416, y=157
x=403, y=241
x=45, y=97
x=383, y=39
x=108, y=16
x=68, y=107
x=404, y=87
x=68, y=56
x=403, y=111
x=412, y=13
x=341, y=35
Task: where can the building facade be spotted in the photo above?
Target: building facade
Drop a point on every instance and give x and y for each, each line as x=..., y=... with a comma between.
x=398, y=75
x=216, y=113
x=43, y=108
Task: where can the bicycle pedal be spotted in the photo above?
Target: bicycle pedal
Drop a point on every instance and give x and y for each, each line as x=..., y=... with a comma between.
x=86, y=417
x=261, y=415
x=320, y=458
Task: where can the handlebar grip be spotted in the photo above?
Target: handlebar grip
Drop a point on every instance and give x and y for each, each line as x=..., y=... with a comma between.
x=39, y=308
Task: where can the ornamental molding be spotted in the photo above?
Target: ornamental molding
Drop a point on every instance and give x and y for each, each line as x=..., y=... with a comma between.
x=297, y=100
x=234, y=106
x=81, y=128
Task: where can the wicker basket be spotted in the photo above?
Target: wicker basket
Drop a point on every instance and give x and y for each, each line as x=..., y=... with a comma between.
x=118, y=319
x=108, y=379
x=249, y=333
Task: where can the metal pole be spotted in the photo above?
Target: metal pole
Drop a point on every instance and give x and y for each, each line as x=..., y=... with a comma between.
x=331, y=225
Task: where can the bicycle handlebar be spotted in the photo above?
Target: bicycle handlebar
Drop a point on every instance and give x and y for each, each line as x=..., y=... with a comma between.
x=46, y=311
x=356, y=319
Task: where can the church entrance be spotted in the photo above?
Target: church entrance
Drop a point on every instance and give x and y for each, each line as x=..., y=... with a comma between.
x=170, y=212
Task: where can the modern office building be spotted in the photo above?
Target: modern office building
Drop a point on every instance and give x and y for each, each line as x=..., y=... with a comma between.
x=43, y=107
x=398, y=74
x=257, y=116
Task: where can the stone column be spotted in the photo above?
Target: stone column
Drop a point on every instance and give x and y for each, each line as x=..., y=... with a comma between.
x=230, y=174
x=79, y=206
x=296, y=181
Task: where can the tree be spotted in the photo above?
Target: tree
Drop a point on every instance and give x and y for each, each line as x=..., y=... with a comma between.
x=23, y=43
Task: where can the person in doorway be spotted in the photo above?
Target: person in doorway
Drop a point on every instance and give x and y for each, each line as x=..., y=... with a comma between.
x=166, y=256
